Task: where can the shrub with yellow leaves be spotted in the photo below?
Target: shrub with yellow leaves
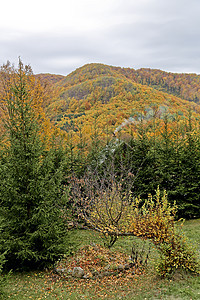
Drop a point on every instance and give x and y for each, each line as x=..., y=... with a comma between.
x=112, y=210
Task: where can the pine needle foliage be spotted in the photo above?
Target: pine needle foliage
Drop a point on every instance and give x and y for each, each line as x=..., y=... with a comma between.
x=30, y=191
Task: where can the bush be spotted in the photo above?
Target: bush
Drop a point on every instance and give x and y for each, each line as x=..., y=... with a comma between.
x=177, y=255
x=113, y=211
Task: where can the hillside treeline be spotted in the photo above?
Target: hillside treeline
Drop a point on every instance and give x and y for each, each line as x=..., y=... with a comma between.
x=185, y=86
x=182, y=85
x=114, y=94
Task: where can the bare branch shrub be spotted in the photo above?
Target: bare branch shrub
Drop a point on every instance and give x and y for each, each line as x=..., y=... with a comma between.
x=104, y=200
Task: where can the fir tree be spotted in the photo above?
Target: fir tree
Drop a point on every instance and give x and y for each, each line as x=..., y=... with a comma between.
x=30, y=190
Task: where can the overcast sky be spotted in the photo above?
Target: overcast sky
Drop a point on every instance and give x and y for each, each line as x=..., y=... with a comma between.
x=61, y=35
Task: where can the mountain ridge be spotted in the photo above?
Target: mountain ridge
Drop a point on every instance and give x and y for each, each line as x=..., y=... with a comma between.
x=108, y=95
x=183, y=85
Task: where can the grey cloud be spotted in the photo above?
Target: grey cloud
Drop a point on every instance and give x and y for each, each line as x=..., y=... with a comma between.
x=153, y=33
x=42, y=49
x=165, y=39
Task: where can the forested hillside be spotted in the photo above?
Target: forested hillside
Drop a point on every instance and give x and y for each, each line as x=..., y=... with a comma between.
x=95, y=147
x=185, y=86
x=100, y=110
x=114, y=94
x=149, y=115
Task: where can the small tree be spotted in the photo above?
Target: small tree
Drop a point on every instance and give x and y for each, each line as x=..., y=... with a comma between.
x=30, y=176
x=107, y=205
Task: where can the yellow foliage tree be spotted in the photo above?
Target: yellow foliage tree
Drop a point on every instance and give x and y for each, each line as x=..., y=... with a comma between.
x=108, y=207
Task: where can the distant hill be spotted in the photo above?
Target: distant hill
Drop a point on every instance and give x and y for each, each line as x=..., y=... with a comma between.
x=108, y=95
x=184, y=86
x=50, y=78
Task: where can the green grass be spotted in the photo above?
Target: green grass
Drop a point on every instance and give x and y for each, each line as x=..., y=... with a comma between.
x=44, y=285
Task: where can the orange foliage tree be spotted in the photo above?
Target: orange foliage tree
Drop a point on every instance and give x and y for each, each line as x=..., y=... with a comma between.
x=36, y=91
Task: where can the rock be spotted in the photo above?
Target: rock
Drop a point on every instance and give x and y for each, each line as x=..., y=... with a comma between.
x=127, y=266
x=120, y=267
x=93, y=244
x=70, y=225
x=106, y=273
x=86, y=276
x=60, y=271
x=107, y=267
x=78, y=272
x=95, y=273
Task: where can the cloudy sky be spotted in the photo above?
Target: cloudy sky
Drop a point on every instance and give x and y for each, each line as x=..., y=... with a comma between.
x=58, y=36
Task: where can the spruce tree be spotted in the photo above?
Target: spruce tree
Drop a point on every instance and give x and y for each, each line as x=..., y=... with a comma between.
x=187, y=190
x=30, y=190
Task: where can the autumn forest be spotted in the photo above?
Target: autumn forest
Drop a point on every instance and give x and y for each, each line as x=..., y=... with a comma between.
x=114, y=149
x=149, y=115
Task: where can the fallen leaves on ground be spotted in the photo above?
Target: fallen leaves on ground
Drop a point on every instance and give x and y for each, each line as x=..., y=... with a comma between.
x=97, y=259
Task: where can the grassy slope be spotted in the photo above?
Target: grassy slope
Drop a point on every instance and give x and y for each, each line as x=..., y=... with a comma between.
x=39, y=285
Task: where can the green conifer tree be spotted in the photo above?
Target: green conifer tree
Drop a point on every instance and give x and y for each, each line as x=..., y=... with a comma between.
x=30, y=190
x=187, y=190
